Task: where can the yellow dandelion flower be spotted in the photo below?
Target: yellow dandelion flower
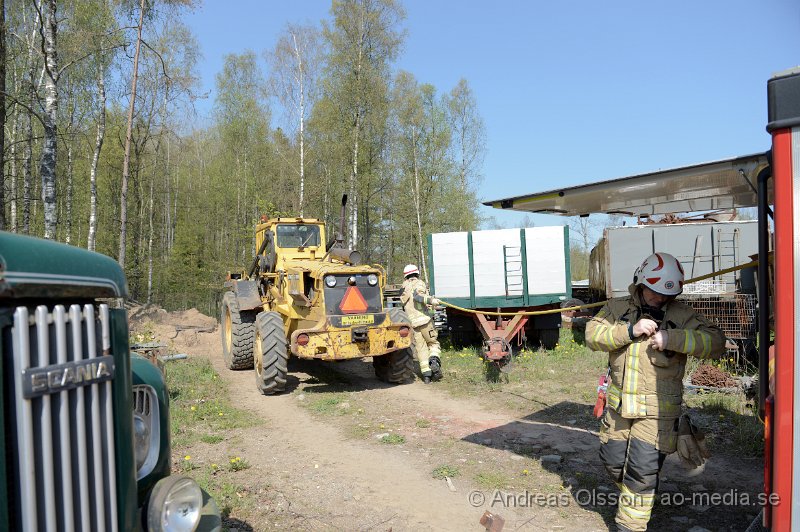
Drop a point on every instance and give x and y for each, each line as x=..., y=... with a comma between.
x=194, y=408
x=214, y=466
x=221, y=414
x=187, y=457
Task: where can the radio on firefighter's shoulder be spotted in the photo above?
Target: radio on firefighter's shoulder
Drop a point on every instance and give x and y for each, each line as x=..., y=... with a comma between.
x=652, y=313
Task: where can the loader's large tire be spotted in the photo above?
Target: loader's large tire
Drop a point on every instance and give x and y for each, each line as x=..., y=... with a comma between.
x=271, y=353
x=238, y=331
x=549, y=337
x=398, y=366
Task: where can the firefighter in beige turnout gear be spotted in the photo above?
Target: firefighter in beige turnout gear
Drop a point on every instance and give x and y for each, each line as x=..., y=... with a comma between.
x=418, y=304
x=648, y=337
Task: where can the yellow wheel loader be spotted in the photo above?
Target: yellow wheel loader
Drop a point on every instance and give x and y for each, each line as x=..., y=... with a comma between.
x=310, y=299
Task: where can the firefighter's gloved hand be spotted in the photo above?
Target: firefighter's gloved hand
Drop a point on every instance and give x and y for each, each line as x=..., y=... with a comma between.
x=435, y=302
x=659, y=340
x=691, y=443
x=644, y=326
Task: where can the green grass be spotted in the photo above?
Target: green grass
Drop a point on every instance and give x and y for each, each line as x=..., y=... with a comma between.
x=423, y=423
x=238, y=464
x=560, y=385
x=331, y=404
x=731, y=422
x=393, y=439
x=445, y=471
x=212, y=438
x=492, y=480
x=538, y=380
x=201, y=412
x=199, y=405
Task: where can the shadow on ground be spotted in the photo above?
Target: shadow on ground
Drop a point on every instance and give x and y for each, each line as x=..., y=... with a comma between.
x=563, y=438
x=320, y=377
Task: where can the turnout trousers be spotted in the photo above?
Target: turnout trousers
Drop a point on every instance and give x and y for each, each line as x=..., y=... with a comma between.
x=633, y=452
x=426, y=345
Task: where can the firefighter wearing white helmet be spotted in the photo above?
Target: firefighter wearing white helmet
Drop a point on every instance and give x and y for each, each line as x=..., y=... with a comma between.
x=418, y=304
x=648, y=336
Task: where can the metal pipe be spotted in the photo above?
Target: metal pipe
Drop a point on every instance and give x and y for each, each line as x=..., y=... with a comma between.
x=763, y=286
x=340, y=237
x=178, y=356
x=266, y=241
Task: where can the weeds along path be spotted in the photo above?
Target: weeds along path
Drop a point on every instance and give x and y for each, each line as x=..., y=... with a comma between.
x=337, y=482
x=317, y=450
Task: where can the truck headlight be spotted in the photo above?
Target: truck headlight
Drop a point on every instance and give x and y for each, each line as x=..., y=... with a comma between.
x=146, y=429
x=372, y=279
x=175, y=505
x=330, y=281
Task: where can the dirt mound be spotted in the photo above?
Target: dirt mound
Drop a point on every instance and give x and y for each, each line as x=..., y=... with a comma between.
x=712, y=376
x=139, y=314
x=191, y=318
x=180, y=328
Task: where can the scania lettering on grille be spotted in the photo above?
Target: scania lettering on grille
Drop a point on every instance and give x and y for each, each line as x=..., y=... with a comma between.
x=60, y=377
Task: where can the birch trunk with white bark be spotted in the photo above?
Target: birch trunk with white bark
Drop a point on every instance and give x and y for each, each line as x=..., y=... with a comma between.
x=98, y=145
x=47, y=167
x=123, y=200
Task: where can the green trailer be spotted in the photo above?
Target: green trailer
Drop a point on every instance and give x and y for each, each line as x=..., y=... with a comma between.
x=505, y=270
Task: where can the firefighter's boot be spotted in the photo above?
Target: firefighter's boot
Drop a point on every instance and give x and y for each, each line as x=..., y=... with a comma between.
x=436, y=368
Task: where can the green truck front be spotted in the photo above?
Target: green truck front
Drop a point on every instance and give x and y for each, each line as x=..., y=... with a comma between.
x=84, y=425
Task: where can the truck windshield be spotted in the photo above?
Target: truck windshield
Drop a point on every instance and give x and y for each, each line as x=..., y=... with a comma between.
x=294, y=236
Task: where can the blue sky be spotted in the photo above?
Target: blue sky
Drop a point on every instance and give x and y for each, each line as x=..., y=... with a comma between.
x=573, y=91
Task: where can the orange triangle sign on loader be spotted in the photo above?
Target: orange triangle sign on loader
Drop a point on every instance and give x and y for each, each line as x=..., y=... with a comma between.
x=353, y=302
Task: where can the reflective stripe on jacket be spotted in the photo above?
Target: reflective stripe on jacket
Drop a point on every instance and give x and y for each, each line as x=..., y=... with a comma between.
x=415, y=301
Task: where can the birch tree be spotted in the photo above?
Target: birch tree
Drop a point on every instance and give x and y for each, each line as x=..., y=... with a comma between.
x=2, y=114
x=123, y=200
x=47, y=167
x=365, y=39
x=469, y=141
x=295, y=70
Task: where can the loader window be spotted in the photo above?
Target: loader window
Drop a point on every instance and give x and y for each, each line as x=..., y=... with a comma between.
x=294, y=236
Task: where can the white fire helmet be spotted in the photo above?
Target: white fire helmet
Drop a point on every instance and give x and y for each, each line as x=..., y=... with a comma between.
x=410, y=269
x=661, y=273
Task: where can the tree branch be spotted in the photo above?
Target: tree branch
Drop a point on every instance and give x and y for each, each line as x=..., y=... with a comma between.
x=17, y=101
x=161, y=60
x=89, y=54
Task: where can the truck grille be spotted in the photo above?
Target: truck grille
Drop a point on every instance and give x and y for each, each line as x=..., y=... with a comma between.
x=63, y=464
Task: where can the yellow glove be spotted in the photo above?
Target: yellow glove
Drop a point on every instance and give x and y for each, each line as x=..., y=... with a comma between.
x=691, y=444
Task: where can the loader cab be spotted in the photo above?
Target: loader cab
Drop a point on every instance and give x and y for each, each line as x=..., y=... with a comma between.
x=292, y=239
x=297, y=235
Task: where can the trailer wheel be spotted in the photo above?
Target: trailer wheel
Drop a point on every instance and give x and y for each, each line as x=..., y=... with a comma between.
x=237, y=329
x=271, y=353
x=396, y=367
x=549, y=338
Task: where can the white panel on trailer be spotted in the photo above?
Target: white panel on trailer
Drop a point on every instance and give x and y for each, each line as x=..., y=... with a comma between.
x=627, y=248
x=547, y=269
x=701, y=247
x=450, y=264
x=488, y=259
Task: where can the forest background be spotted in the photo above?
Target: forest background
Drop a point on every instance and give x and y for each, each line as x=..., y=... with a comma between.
x=97, y=152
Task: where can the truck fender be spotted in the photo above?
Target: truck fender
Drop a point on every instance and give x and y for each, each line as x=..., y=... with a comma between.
x=246, y=294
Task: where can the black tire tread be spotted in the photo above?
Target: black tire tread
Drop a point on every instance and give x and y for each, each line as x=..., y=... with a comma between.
x=242, y=334
x=398, y=366
x=275, y=353
x=549, y=337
